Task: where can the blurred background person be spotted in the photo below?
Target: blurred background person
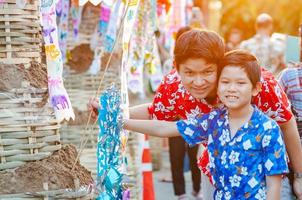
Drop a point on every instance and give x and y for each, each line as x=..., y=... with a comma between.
x=233, y=39
x=261, y=44
x=290, y=81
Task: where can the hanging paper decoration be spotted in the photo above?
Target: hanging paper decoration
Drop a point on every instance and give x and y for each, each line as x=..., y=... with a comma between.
x=140, y=36
x=142, y=49
x=163, y=5
x=76, y=15
x=131, y=11
x=97, y=41
x=108, y=149
x=152, y=59
x=63, y=27
x=112, y=28
x=59, y=8
x=94, y=2
x=176, y=20
x=104, y=20
x=58, y=96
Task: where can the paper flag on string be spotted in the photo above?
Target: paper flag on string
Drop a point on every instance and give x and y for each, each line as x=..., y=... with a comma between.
x=58, y=96
x=94, y=2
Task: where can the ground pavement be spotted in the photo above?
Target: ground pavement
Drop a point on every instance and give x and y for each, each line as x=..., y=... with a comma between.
x=164, y=190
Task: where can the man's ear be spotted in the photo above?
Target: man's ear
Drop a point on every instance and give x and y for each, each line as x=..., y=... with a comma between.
x=257, y=89
x=174, y=64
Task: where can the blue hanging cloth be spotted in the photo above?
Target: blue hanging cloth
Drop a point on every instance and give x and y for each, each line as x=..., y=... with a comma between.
x=108, y=148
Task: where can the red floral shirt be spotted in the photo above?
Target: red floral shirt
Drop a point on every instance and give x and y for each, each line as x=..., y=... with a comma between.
x=172, y=102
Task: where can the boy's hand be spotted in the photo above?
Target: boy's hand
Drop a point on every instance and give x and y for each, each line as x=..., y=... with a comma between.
x=93, y=106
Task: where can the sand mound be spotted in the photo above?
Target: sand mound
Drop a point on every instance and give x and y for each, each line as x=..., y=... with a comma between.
x=55, y=170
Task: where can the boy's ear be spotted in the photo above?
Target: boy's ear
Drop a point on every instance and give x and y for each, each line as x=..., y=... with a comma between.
x=257, y=88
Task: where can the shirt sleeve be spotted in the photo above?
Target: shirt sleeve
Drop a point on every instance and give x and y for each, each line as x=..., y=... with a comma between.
x=282, y=81
x=195, y=131
x=274, y=158
x=164, y=106
x=272, y=100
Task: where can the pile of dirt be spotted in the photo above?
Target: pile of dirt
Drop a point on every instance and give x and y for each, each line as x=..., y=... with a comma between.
x=12, y=76
x=81, y=118
x=36, y=75
x=55, y=170
x=81, y=58
x=115, y=61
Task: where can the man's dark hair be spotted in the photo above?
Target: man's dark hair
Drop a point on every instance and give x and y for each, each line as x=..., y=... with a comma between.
x=182, y=30
x=197, y=43
x=244, y=60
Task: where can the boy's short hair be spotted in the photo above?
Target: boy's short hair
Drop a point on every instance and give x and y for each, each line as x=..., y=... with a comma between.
x=244, y=60
x=198, y=43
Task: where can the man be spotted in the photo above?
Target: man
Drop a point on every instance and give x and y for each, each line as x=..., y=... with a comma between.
x=261, y=44
x=190, y=90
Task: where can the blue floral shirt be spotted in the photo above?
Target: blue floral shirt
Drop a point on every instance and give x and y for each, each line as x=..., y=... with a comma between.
x=238, y=165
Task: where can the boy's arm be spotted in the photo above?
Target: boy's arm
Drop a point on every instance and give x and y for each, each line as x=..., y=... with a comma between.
x=140, y=111
x=152, y=127
x=274, y=158
x=273, y=187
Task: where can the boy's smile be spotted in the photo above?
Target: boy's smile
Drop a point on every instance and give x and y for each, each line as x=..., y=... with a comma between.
x=235, y=89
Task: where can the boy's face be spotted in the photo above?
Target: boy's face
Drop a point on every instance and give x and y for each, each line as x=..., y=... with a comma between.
x=235, y=89
x=199, y=77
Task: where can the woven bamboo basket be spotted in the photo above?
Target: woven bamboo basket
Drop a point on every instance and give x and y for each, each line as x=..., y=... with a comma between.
x=28, y=132
x=20, y=33
x=79, y=193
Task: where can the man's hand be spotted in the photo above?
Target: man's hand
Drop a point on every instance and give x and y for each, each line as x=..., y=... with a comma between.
x=298, y=187
x=93, y=106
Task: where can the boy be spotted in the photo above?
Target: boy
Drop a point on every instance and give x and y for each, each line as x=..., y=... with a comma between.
x=247, y=153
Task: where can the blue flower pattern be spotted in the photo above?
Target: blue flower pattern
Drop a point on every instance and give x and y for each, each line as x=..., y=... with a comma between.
x=238, y=165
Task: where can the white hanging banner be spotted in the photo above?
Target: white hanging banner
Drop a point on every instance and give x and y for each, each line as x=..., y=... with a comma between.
x=112, y=28
x=57, y=94
x=63, y=28
x=130, y=16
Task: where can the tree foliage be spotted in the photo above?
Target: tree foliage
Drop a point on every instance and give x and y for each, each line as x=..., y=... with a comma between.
x=241, y=14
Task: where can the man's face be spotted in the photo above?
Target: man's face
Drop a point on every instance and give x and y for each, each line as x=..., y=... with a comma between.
x=199, y=77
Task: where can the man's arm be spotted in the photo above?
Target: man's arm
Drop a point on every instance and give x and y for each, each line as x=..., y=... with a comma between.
x=294, y=150
x=273, y=187
x=140, y=112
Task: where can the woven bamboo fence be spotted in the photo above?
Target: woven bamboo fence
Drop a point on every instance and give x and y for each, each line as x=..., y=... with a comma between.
x=28, y=131
x=20, y=33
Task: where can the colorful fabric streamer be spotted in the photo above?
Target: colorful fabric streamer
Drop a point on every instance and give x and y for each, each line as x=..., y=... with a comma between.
x=143, y=51
x=58, y=96
x=112, y=28
x=63, y=27
x=129, y=20
x=108, y=149
x=76, y=16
